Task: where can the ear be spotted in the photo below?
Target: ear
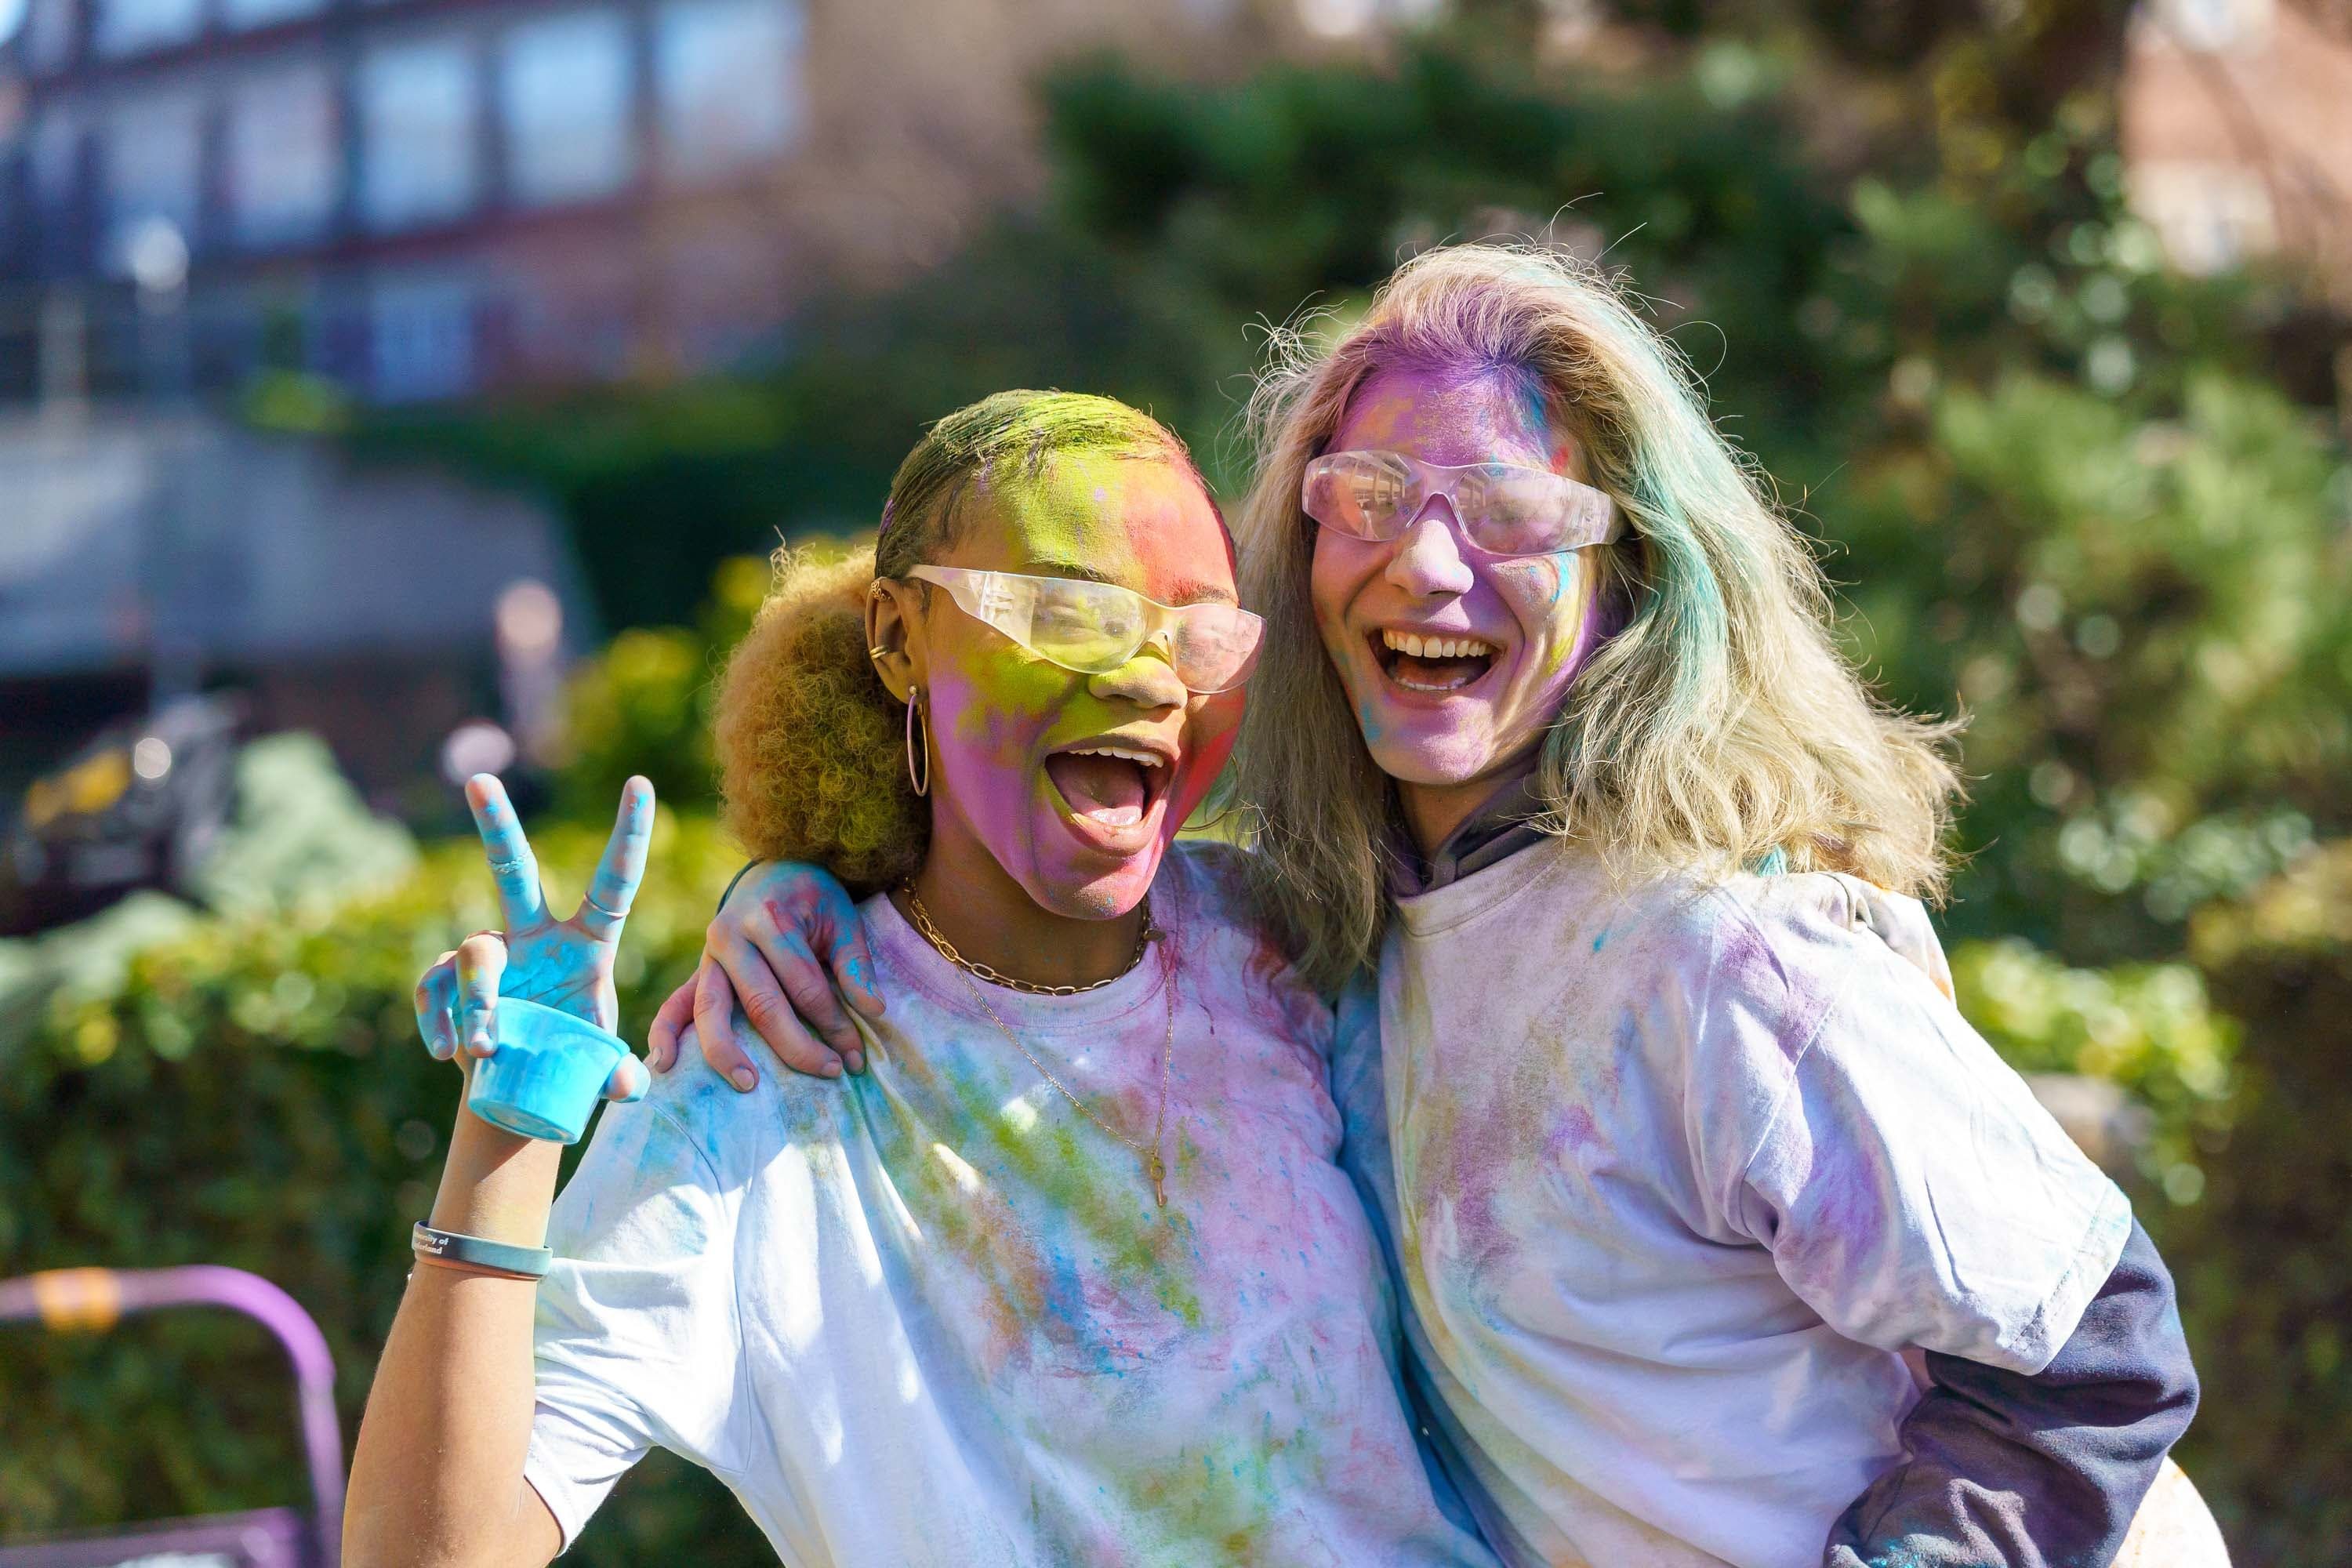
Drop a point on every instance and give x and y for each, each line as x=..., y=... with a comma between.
x=894, y=624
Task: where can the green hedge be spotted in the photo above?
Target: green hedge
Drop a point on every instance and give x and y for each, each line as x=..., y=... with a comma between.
x=253, y=1092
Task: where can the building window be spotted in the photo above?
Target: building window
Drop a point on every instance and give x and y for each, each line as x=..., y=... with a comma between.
x=729, y=75
x=421, y=340
x=418, y=145
x=151, y=169
x=262, y=13
x=565, y=93
x=49, y=32
x=283, y=157
x=128, y=27
x=55, y=160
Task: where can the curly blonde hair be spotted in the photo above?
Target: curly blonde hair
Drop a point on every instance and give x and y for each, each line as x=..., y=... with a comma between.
x=811, y=746
x=1720, y=726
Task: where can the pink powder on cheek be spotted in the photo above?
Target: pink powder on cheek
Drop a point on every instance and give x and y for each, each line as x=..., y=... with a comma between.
x=1210, y=732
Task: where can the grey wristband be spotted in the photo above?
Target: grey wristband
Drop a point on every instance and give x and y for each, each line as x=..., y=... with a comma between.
x=448, y=1247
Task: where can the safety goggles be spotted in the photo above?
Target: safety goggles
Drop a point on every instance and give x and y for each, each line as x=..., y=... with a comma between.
x=1504, y=510
x=1096, y=628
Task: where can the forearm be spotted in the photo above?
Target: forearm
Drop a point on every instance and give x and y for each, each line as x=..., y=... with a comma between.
x=437, y=1473
x=2003, y=1469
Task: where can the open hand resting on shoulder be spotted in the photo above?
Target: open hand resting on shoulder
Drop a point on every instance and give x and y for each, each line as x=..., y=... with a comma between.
x=788, y=947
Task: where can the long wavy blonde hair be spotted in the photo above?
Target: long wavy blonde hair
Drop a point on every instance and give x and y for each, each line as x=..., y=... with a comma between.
x=1719, y=726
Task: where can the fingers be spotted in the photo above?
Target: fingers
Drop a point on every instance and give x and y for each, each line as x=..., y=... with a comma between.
x=661, y=1040
x=436, y=1007
x=481, y=958
x=629, y=1082
x=786, y=930
x=613, y=887
x=714, y=1027
x=809, y=900
x=512, y=866
x=774, y=1008
x=843, y=934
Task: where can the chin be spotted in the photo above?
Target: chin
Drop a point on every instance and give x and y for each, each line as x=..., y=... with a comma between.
x=1095, y=893
x=1432, y=766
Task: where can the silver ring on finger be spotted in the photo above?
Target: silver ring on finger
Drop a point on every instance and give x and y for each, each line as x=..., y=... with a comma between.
x=590, y=900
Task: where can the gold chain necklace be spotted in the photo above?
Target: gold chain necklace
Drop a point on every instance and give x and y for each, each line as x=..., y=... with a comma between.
x=1154, y=1164
x=932, y=934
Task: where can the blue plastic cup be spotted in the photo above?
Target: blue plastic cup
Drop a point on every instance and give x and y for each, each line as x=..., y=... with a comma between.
x=546, y=1074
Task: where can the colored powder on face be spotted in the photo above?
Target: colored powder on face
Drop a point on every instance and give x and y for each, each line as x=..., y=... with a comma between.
x=1542, y=613
x=1001, y=709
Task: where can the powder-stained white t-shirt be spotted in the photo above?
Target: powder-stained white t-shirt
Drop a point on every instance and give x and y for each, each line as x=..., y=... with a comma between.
x=1673, y=1173
x=928, y=1315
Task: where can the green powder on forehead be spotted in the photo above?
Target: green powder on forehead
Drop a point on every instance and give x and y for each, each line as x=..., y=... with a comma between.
x=1008, y=439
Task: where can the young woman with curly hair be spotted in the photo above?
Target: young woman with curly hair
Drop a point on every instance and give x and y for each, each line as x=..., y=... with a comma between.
x=1723, y=1238
x=1068, y=1273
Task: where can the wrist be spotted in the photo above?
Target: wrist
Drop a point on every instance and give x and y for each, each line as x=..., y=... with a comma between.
x=495, y=1184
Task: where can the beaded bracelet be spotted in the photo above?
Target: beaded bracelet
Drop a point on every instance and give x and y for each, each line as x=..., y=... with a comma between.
x=448, y=1247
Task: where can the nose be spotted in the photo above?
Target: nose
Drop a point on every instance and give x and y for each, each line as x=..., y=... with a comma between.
x=1148, y=680
x=1428, y=560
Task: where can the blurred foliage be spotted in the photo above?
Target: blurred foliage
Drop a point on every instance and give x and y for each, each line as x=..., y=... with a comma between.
x=258, y=1096
x=2100, y=507
x=643, y=704
x=2148, y=1030
x=2265, y=1287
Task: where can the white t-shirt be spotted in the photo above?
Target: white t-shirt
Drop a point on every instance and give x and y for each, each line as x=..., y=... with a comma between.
x=1673, y=1173
x=930, y=1315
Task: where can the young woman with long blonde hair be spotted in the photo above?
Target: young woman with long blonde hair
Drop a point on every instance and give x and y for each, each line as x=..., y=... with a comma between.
x=1724, y=1238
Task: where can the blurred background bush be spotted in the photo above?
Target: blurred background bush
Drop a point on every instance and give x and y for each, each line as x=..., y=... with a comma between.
x=2078, y=461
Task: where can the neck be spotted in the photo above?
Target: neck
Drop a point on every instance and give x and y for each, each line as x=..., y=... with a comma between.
x=991, y=919
x=1432, y=811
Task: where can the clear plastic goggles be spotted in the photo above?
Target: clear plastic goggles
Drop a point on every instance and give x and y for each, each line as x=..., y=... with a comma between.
x=1505, y=510
x=1096, y=628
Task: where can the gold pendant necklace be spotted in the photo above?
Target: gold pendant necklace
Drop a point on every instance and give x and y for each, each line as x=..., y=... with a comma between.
x=1154, y=1165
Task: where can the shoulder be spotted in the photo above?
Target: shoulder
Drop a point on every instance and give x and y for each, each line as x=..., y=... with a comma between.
x=732, y=1131
x=1204, y=891
x=1780, y=948
x=1207, y=878
x=1203, y=899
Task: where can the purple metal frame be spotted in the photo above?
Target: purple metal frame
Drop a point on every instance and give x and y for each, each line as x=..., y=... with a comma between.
x=93, y=1299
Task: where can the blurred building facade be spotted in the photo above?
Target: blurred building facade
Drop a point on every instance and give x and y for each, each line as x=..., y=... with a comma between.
x=2237, y=128
x=147, y=556
x=436, y=198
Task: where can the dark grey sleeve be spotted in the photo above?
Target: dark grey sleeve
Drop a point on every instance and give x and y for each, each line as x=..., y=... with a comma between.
x=2006, y=1470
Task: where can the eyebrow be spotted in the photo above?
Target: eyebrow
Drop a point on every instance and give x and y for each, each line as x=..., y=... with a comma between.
x=1194, y=592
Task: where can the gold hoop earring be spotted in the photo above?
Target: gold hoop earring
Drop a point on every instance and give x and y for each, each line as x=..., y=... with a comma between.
x=915, y=700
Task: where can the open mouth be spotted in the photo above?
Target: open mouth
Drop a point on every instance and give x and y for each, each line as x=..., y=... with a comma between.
x=1421, y=663
x=1109, y=785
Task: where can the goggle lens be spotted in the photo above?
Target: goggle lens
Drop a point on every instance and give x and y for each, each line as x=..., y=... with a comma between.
x=1096, y=627
x=1503, y=508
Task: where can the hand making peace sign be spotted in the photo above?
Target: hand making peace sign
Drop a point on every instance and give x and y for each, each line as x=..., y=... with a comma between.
x=565, y=965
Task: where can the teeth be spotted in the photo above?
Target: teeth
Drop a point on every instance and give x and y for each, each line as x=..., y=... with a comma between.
x=1409, y=683
x=1148, y=759
x=1437, y=648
